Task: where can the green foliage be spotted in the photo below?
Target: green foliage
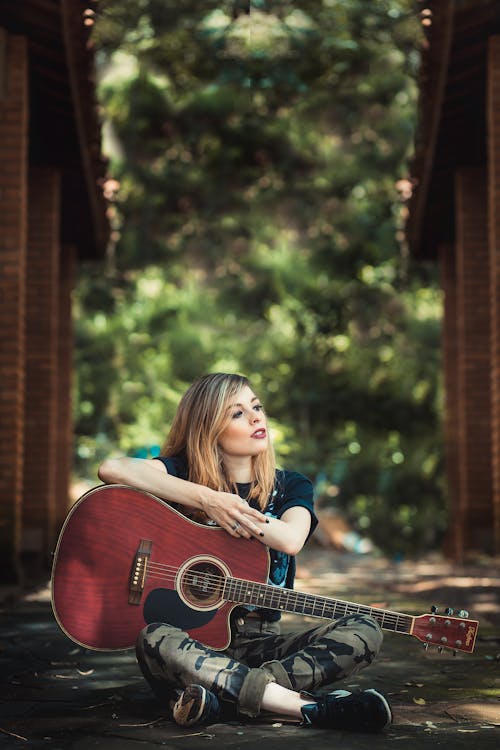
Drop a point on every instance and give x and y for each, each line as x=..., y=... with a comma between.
x=259, y=228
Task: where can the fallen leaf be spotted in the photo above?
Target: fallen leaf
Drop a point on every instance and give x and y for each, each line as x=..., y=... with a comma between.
x=419, y=701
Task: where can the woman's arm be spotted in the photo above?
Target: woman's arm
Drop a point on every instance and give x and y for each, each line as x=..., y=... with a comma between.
x=152, y=476
x=288, y=533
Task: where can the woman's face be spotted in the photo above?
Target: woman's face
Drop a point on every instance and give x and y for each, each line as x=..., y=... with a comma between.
x=246, y=434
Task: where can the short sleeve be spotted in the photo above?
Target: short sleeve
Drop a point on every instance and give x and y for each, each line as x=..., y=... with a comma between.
x=175, y=465
x=295, y=489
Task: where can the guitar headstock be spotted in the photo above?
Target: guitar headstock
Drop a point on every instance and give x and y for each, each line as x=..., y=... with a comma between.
x=445, y=631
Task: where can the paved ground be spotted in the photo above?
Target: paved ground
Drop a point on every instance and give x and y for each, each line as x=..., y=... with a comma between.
x=55, y=695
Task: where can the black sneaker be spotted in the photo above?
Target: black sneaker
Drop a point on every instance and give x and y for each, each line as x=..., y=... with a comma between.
x=366, y=711
x=196, y=705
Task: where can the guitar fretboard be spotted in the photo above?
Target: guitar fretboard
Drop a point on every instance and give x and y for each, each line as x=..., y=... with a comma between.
x=290, y=600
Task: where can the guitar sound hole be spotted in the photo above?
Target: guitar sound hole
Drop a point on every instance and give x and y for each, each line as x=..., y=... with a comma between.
x=202, y=584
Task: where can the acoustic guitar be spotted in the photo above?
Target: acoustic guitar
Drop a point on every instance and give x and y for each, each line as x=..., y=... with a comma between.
x=125, y=558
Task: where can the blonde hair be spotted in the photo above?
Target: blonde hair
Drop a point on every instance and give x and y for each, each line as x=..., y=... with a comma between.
x=202, y=415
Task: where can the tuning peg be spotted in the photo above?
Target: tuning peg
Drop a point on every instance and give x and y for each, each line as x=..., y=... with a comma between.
x=454, y=652
x=426, y=646
x=440, y=649
x=448, y=611
x=463, y=613
x=434, y=609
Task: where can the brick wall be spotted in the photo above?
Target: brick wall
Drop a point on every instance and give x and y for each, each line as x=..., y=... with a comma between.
x=14, y=99
x=64, y=437
x=42, y=370
x=36, y=334
x=493, y=144
x=454, y=542
x=473, y=508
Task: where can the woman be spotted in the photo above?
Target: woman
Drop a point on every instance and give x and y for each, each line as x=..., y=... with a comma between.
x=218, y=465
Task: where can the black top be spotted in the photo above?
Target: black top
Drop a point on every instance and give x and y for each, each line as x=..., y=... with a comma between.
x=290, y=489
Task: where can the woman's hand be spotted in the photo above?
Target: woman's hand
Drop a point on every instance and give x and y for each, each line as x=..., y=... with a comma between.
x=234, y=514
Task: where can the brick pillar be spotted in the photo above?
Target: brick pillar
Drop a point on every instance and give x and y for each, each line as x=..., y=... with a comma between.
x=14, y=98
x=473, y=507
x=64, y=436
x=493, y=142
x=42, y=372
x=454, y=539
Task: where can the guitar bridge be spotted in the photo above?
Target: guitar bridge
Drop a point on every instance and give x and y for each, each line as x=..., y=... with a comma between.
x=138, y=572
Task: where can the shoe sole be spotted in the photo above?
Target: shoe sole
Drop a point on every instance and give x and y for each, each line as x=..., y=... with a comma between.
x=184, y=706
x=386, y=705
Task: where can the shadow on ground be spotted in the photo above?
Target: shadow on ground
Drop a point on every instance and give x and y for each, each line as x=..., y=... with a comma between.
x=56, y=695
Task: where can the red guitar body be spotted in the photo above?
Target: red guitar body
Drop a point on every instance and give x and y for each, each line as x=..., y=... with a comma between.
x=125, y=558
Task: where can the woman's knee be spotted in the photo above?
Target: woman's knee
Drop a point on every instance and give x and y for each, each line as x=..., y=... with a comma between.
x=155, y=634
x=371, y=631
x=359, y=629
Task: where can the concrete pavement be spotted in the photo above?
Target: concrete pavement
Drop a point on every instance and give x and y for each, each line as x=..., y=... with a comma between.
x=56, y=695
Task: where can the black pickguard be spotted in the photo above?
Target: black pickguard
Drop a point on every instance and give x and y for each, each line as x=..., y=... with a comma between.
x=165, y=605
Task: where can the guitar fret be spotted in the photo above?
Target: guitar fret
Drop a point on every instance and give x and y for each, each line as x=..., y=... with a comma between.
x=344, y=606
x=286, y=595
x=305, y=606
x=273, y=593
x=250, y=593
x=344, y=613
x=319, y=608
x=295, y=601
x=291, y=600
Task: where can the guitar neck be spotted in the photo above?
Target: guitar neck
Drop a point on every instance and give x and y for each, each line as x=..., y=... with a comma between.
x=292, y=601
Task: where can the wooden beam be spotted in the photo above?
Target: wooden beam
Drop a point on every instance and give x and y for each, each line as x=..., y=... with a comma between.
x=443, y=19
x=493, y=120
x=83, y=115
x=3, y=63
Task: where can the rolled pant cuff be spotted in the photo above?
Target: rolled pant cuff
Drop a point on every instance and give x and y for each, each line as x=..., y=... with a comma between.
x=279, y=673
x=252, y=691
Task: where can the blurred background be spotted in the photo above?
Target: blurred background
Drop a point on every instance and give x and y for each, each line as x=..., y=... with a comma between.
x=281, y=189
x=260, y=158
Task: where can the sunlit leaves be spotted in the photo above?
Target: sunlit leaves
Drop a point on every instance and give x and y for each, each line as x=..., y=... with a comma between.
x=262, y=160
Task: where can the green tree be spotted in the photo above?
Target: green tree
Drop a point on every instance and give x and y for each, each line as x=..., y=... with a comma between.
x=261, y=150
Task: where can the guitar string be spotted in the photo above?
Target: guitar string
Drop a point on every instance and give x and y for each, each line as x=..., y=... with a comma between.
x=273, y=591
x=216, y=585
x=394, y=621
x=389, y=620
x=215, y=580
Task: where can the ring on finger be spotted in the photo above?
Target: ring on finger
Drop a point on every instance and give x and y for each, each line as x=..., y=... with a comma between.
x=235, y=526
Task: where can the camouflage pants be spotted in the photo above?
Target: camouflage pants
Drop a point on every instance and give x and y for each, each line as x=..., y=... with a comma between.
x=257, y=655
